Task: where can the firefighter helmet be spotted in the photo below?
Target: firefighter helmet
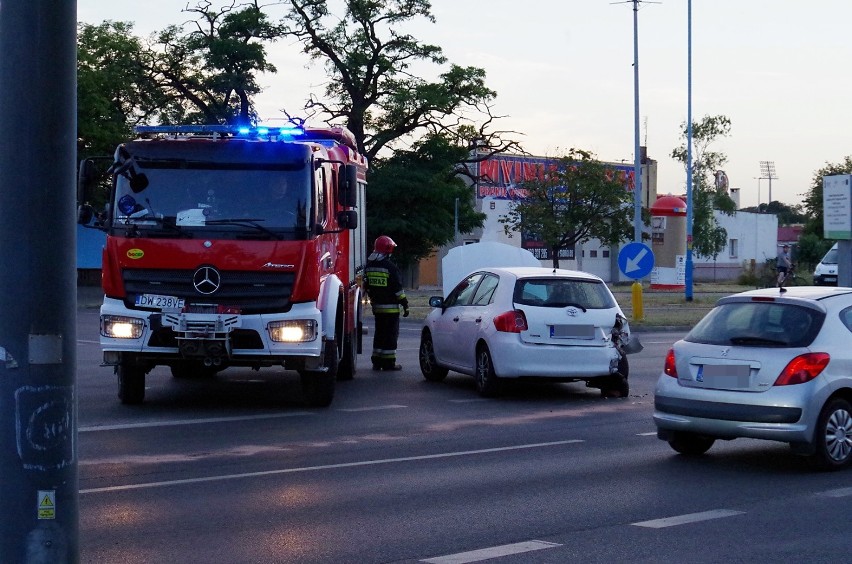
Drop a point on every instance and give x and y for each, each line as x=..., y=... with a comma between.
x=384, y=245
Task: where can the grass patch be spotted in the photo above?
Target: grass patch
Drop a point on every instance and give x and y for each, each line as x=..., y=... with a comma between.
x=661, y=307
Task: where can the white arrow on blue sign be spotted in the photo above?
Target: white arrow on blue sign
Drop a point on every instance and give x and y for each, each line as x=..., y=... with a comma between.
x=636, y=260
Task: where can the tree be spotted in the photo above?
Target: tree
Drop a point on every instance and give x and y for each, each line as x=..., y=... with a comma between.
x=708, y=237
x=413, y=196
x=114, y=92
x=813, y=198
x=371, y=87
x=372, y=90
x=810, y=250
x=581, y=200
x=787, y=215
x=205, y=75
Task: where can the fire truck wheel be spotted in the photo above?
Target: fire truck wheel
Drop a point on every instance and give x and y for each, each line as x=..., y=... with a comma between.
x=318, y=387
x=131, y=384
x=349, y=363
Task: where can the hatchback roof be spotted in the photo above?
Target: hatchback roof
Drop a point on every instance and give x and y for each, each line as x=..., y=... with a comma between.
x=540, y=272
x=801, y=292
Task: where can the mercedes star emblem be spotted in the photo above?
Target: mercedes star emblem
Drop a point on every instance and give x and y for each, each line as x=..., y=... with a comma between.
x=206, y=280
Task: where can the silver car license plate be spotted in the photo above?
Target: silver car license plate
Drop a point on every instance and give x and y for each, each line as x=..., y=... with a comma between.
x=572, y=331
x=728, y=376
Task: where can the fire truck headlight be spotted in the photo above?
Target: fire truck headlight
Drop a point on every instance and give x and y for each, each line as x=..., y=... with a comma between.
x=293, y=330
x=119, y=327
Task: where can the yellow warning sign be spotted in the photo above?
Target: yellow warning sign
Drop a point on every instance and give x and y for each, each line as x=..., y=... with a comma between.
x=47, y=504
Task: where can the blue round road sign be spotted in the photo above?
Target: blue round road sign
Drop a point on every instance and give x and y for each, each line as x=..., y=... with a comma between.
x=636, y=260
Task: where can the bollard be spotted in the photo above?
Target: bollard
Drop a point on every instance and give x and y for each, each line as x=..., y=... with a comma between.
x=638, y=308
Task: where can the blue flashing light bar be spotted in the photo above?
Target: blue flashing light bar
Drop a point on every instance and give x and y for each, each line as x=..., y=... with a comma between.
x=242, y=131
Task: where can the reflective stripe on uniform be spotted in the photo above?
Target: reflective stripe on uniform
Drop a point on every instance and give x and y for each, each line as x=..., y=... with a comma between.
x=386, y=308
x=377, y=276
x=382, y=353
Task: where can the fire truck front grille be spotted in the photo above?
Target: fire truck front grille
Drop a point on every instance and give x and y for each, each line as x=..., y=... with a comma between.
x=250, y=292
x=240, y=339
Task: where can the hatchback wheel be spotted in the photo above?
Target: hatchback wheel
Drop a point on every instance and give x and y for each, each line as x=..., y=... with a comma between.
x=428, y=364
x=690, y=443
x=616, y=386
x=487, y=383
x=834, y=436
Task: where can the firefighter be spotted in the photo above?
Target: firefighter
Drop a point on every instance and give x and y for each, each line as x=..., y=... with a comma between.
x=384, y=287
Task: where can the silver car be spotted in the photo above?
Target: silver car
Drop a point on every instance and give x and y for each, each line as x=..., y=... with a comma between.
x=766, y=365
x=529, y=322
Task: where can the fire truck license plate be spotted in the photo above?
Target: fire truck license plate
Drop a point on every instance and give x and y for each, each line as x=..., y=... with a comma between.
x=161, y=302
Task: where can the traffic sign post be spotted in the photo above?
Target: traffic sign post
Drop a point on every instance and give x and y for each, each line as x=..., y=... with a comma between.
x=636, y=260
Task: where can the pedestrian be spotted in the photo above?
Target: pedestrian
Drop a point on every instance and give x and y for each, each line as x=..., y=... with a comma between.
x=383, y=284
x=783, y=265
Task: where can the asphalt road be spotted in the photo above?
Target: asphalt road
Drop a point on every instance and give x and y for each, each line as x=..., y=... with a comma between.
x=236, y=469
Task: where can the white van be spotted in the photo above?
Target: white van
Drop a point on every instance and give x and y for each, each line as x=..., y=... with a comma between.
x=825, y=273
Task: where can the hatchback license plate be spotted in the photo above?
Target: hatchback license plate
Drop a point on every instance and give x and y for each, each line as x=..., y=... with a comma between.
x=159, y=302
x=724, y=375
x=572, y=331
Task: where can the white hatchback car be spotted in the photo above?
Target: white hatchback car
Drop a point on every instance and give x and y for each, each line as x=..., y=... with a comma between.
x=765, y=365
x=535, y=322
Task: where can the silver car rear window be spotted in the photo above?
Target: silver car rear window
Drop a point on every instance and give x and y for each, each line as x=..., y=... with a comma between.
x=563, y=292
x=758, y=324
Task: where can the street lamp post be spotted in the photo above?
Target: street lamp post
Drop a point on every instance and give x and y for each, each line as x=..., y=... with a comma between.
x=689, y=214
x=637, y=162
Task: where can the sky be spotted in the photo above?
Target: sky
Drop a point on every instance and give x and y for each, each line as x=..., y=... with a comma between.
x=563, y=73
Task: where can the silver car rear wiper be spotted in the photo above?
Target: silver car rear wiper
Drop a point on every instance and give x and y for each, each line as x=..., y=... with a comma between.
x=750, y=340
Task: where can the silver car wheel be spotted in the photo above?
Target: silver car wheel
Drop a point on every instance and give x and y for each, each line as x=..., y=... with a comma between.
x=838, y=435
x=486, y=380
x=428, y=363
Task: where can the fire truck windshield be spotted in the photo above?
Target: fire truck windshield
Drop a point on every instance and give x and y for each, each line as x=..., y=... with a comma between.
x=222, y=196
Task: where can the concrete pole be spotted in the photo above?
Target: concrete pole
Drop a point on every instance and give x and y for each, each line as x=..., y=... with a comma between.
x=689, y=202
x=38, y=408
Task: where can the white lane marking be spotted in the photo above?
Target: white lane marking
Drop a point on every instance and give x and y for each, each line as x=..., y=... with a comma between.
x=325, y=467
x=88, y=342
x=840, y=492
x=92, y=428
x=651, y=434
x=688, y=518
x=493, y=552
x=376, y=408
x=473, y=400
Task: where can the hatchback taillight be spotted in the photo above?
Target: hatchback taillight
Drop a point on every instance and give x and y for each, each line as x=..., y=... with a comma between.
x=803, y=368
x=511, y=322
x=669, y=367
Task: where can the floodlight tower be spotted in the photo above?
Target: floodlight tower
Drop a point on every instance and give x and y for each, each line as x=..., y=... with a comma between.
x=767, y=171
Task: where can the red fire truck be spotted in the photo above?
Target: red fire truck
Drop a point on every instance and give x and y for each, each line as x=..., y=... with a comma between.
x=232, y=247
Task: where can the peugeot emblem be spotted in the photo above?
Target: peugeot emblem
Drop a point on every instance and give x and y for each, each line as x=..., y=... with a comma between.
x=206, y=280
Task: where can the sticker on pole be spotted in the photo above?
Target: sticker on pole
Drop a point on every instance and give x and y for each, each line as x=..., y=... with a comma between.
x=47, y=504
x=636, y=260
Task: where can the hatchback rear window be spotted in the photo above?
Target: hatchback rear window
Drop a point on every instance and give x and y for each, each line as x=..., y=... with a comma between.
x=563, y=292
x=758, y=324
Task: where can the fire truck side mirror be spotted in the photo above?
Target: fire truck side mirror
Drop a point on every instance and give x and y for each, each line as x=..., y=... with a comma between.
x=85, y=214
x=347, y=186
x=348, y=219
x=87, y=177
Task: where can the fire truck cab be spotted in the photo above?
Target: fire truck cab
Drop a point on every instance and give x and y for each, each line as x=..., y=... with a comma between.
x=231, y=247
